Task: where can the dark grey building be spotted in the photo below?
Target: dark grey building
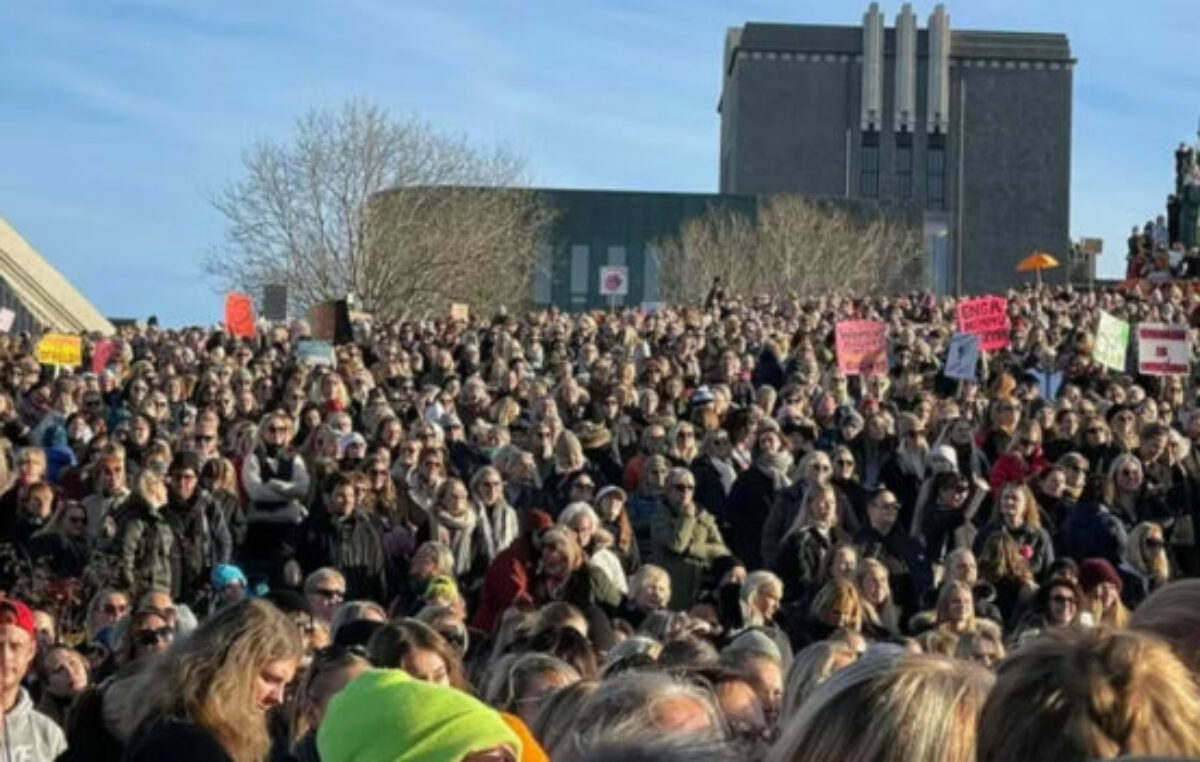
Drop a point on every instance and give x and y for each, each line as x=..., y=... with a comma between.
x=973, y=126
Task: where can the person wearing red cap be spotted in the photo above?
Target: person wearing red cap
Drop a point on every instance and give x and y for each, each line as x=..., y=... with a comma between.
x=28, y=735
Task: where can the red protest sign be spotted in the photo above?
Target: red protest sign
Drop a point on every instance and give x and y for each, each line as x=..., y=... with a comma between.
x=239, y=315
x=861, y=347
x=987, y=318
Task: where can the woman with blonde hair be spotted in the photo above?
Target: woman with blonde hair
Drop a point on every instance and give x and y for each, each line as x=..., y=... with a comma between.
x=810, y=668
x=210, y=693
x=1078, y=694
x=836, y=606
x=1146, y=566
x=889, y=710
x=1102, y=587
x=955, y=609
x=811, y=538
x=881, y=615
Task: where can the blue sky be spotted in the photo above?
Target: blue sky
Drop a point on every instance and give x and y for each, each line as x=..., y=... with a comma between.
x=121, y=118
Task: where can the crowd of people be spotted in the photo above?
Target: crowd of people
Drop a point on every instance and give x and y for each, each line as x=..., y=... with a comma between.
x=626, y=536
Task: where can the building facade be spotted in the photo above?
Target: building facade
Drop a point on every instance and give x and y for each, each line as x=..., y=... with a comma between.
x=974, y=127
x=592, y=229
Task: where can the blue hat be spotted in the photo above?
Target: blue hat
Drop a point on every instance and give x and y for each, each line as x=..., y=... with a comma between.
x=224, y=575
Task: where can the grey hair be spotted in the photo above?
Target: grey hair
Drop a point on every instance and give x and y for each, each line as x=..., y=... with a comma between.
x=522, y=670
x=352, y=611
x=574, y=511
x=623, y=710
x=921, y=707
x=659, y=750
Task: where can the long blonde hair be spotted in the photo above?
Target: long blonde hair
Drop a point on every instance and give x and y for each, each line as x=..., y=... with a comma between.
x=209, y=677
x=1158, y=568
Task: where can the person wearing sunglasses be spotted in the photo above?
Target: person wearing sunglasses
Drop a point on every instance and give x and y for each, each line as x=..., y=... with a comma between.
x=62, y=547
x=684, y=538
x=1147, y=565
x=884, y=539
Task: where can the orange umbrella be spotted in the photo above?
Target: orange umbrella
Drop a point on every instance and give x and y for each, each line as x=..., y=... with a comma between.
x=1036, y=262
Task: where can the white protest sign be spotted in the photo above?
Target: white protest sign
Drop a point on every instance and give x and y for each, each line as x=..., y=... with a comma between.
x=1112, y=339
x=1162, y=349
x=614, y=280
x=962, y=356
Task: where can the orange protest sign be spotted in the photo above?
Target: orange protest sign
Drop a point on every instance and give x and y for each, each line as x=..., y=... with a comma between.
x=60, y=349
x=861, y=347
x=239, y=315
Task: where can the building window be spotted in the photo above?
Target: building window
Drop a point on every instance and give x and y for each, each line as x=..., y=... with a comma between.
x=936, y=185
x=904, y=165
x=580, y=254
x=868, y=179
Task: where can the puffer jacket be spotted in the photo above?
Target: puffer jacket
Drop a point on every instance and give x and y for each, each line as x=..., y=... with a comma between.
x=144, y=546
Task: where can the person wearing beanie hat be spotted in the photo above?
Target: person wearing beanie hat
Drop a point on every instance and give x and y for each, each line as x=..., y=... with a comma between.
x=201, y=531
x=1102, y=586
x=384, y=715
x=228, y=583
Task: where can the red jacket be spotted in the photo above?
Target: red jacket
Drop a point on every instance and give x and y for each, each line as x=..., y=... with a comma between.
x=509, y=577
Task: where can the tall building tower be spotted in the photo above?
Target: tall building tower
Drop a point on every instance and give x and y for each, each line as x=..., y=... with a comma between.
x=970, y=130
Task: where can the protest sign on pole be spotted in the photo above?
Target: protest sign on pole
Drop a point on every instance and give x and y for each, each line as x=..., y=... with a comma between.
x=331, y=321
x=7, y=317
x=614, y=280
x=460, y=312
x=60, y=349
x=861, y=347
x=1112, y=341
x=987, y=318
x=239, y=315
x=1162, y=349
x=962, y=357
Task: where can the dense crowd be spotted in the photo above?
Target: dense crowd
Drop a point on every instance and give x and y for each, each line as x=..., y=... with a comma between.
x=624, y=536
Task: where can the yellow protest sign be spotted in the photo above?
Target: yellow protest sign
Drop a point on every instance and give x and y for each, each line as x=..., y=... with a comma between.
x=60, y=349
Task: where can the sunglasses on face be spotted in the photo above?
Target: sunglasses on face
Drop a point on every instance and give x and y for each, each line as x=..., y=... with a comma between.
x=153, y=637
x=1063, y=600
x=330, y=594
x=114, y=610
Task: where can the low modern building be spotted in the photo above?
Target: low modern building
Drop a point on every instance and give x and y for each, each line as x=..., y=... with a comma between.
x=974, y=126
x=592, y=229
x=39, y=295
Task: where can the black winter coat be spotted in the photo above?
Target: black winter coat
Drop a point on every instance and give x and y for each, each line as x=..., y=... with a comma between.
x=350, y=545
x=801, y=557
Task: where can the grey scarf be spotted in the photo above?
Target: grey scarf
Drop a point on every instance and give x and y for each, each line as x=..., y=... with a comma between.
x=775, y=466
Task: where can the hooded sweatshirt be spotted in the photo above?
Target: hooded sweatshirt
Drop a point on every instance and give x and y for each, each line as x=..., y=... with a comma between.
x=29, y=735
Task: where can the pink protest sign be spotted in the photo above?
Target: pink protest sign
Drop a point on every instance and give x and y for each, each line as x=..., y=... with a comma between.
x=987, y=318
x=861, y=347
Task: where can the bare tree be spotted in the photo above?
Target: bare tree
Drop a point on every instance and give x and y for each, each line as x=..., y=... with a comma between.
x=793, y=246
x=307, y=214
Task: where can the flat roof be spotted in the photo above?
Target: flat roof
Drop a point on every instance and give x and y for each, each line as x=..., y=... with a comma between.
x=964, y=43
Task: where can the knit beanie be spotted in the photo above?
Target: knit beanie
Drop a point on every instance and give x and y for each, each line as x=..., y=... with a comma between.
x=384, y=715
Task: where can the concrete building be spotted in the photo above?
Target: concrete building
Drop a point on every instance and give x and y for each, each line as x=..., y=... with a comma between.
x=974, y=126
x=39, y=295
